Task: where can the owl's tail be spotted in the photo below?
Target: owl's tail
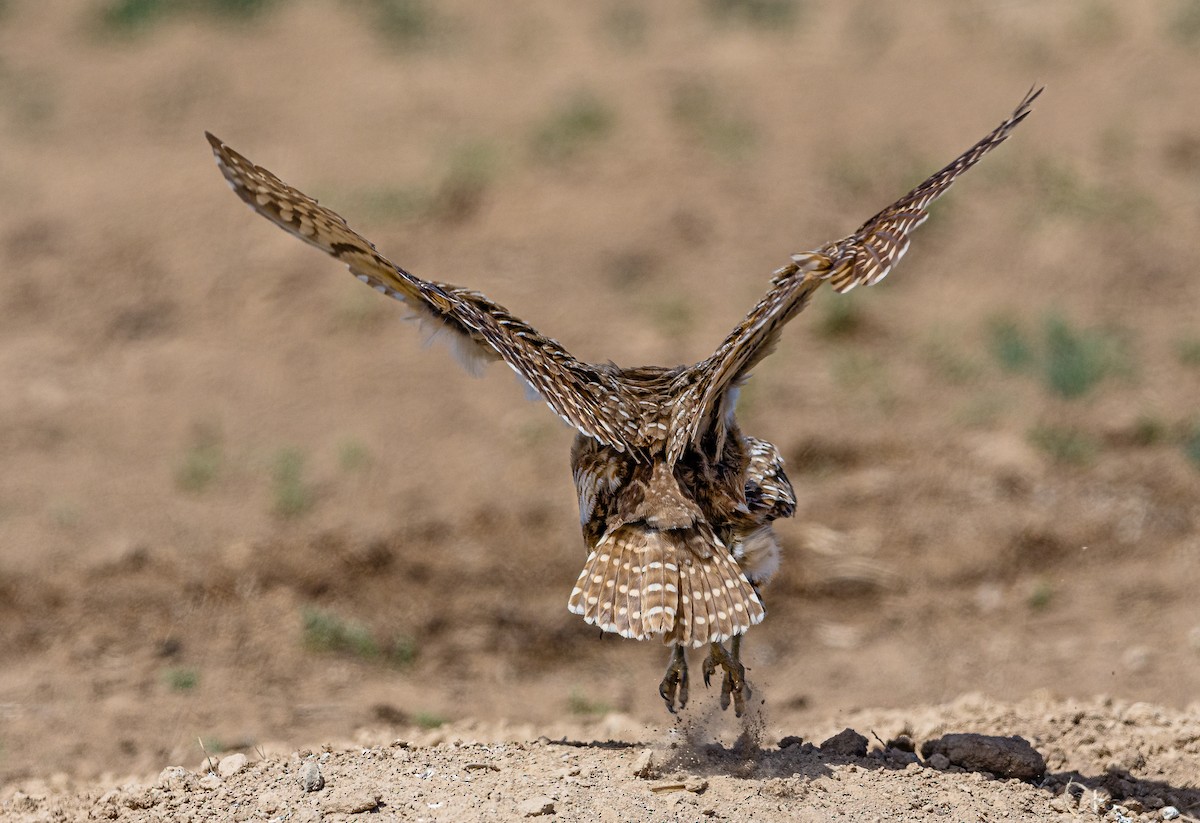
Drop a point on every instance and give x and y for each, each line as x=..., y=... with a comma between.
x=676, y=583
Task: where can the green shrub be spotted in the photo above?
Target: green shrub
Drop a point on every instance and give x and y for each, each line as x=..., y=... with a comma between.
x=201, y=464
x=1189, y=352
x=578, y=704
x=843, y=316
x=581, y=120
x=1077, y=360
x=1008, y=345
x=429, y=720
x=1191, y=445
x=181, y=679
x=353, y=455
x=1183, y=24
x=292, y=495
x=138, y=15
x=327, y=632
x=1041, y=595
x=763, y=14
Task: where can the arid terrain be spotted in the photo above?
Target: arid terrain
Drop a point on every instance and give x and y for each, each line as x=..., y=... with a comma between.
x=244, y=510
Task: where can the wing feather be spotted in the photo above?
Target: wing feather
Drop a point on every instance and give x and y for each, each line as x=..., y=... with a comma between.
x=479, y=330
x=863, y=258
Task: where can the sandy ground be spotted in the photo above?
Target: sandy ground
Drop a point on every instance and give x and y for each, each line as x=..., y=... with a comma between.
x=1071, y=761
x=242, y=510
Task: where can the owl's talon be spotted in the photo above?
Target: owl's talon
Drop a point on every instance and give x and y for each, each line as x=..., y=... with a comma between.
x=733, y=683
x=675, y=682
x=709, y=669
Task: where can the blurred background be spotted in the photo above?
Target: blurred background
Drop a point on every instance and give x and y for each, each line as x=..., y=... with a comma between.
x=241, y=503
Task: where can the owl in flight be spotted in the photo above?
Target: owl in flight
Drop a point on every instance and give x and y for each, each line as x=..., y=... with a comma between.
x=675, y=501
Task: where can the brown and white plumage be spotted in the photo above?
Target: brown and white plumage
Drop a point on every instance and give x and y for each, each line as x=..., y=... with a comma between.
x=675, y=503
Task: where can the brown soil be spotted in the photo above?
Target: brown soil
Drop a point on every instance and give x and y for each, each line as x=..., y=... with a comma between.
x=1099, y=759
x=219, y=450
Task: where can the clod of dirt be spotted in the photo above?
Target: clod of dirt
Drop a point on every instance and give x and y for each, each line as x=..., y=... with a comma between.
x=536, y=807
x=847, y=743
x=352, y=801
x=231, y=765
x=1001, y=756
x=311, y=778
x=643, y=767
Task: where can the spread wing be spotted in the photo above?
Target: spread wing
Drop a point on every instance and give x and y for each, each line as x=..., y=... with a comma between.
x=587, y=397
x=865, y=257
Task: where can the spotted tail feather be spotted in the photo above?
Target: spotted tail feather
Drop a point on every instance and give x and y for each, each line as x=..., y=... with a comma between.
x=642, y=583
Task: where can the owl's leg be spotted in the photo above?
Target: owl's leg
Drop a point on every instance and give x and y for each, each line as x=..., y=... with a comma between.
x=733, y=684
x=676, y=679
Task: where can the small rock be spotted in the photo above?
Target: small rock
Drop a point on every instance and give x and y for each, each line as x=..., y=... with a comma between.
x=173, y=777
x=939, y=761
x=789, y=741
x=847, y=743
x=643, y=767
x=1169, y=812
x=1063, y=803
x=697, y=786
x=209, y=781
x=355, y=801
x=231, y=765
x=311, y=779
x=536, y=807
x=1002, y=756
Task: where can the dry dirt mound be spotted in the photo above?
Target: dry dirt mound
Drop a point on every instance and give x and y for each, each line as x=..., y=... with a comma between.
x=1099, y=760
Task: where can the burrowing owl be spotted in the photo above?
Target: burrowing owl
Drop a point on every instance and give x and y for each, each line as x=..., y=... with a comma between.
x=675, y=501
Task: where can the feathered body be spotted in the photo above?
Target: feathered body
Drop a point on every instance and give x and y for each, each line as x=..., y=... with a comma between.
x=678, y=551
x=675, y=502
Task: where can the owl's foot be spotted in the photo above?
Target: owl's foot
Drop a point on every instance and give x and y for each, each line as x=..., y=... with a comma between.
x=676, y=681
x=733, y=684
